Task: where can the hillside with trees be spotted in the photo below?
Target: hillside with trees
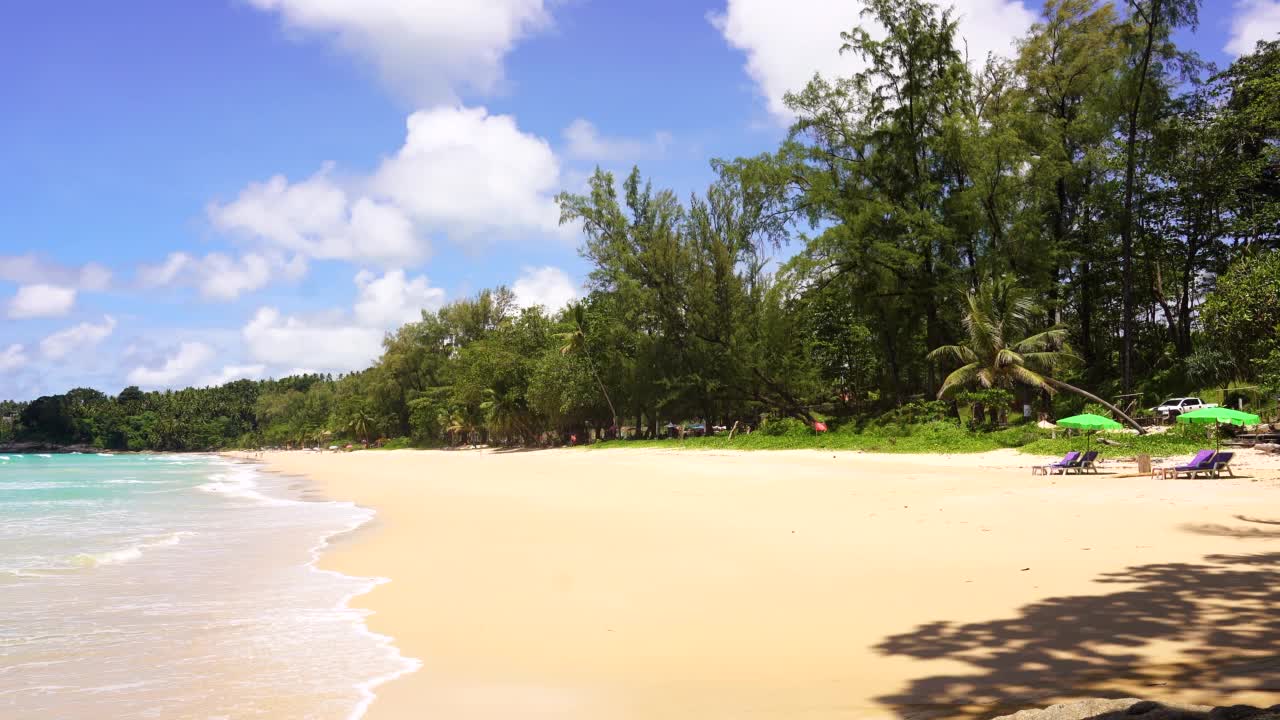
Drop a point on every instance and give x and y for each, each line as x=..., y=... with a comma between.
x=1098, y=217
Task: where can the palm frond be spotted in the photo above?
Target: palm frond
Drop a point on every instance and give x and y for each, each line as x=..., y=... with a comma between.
x=958, y=379
x=1054, y=337
x=1031, y=378
x=1007, y=358
x=958, y=353
x=1048, y=362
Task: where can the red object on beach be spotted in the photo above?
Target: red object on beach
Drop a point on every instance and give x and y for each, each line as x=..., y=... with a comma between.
x=819, y=427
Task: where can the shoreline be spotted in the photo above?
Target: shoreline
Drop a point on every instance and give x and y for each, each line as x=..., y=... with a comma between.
x=366, y=688
x=504, y=628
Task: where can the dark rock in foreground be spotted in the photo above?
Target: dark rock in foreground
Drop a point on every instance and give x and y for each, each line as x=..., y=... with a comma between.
x=1134, y=709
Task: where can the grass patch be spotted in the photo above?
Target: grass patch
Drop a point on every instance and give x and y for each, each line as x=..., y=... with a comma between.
x=933, y=437
x=940, y=437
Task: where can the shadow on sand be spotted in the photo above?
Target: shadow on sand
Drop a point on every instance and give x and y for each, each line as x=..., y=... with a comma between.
x=1217, y=617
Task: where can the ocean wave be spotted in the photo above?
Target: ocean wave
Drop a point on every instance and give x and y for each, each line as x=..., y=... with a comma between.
x=44, y=455
x=135, y=481
x=240, y=484
x=133, y=552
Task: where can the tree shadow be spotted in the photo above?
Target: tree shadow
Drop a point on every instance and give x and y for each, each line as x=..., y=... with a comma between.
x=1216, y=618
x=1239, y=533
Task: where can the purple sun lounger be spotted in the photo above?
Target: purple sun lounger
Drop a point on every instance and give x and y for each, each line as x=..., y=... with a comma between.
x=1069, y=461
x=1198, y=464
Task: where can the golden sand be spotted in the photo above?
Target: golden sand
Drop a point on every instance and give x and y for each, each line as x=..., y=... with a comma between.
x=629, y=584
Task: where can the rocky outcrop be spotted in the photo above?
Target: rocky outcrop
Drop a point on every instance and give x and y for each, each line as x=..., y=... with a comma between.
x=1135, y=709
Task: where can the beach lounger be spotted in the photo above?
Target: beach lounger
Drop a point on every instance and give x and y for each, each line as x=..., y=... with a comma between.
x=1220, y=462
x=1198, y=464
x=1068, y=461
x=1088, y=463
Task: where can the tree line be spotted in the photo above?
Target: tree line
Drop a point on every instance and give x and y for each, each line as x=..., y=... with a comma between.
x=1096, y=217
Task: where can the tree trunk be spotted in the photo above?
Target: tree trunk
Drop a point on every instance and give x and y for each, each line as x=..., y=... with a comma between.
x=591, y=364
x=1126, y=225
x=1090, y=396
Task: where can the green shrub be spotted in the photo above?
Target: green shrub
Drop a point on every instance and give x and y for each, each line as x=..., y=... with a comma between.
x=780, y=427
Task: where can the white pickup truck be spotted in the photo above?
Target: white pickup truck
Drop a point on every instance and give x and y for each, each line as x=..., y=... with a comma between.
x=1173, y=407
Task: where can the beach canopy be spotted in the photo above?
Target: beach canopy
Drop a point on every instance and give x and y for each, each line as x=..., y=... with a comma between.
x=1089, y=421
x=1217, y=415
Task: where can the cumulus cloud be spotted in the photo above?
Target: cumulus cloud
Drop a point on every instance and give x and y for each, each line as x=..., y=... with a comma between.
x=547, y=286
x=13, y=357
x=466, y=172
x=339, y=341
x=393, y=300
x=783, y=51
x=461, y=172
x=319, y=219
x=584, y=141
x=42, y=300
x=32, y=269
x=177, y=367
x=219, y=276
x=1254, y=20
x=425, y=49
x=77, y=338
x=323, y=342
x=230, y=373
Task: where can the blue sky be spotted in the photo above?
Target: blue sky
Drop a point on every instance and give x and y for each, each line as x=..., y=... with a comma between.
x=199, y=191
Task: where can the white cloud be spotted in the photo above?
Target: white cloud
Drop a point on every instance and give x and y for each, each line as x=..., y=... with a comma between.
x=583, y=140
x=317, y=218
x=1254, y=20
x=32, y=269
x=325, y=343
x=77, y=337
x=465, y=172
x=393, y=300
x=230, y=373
x=547, y=286
x=42, y=300
x=783, y=51
x=339, y=341
x=460, y=172
x=13, y=357
x=219, y=276
x=426, y=49
x=181, y=365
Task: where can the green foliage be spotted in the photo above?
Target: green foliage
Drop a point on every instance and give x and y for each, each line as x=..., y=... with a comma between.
x=784, y=427
x=917, y=412
x=1246, y=300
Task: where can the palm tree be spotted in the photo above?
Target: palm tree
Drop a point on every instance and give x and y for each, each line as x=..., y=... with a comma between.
x=575, y=341
x=999, y=308
x=359, y=425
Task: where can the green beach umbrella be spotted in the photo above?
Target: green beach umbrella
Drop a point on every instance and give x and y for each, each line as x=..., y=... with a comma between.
x=1089, y=421
x=1218, y=416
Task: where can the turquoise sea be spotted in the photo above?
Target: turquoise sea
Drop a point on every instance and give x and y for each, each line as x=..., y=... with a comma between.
x=176, y=586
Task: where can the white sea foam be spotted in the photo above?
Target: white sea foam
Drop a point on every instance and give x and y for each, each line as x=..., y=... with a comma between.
x=44, y=455
x=239, y=483
x=132, y=552
x=106, y=455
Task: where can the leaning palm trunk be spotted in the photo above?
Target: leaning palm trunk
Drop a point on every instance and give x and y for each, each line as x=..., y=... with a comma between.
x=1058, y=384
x=604, y=392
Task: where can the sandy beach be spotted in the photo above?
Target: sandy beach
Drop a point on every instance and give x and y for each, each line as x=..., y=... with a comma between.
x=628, y=584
